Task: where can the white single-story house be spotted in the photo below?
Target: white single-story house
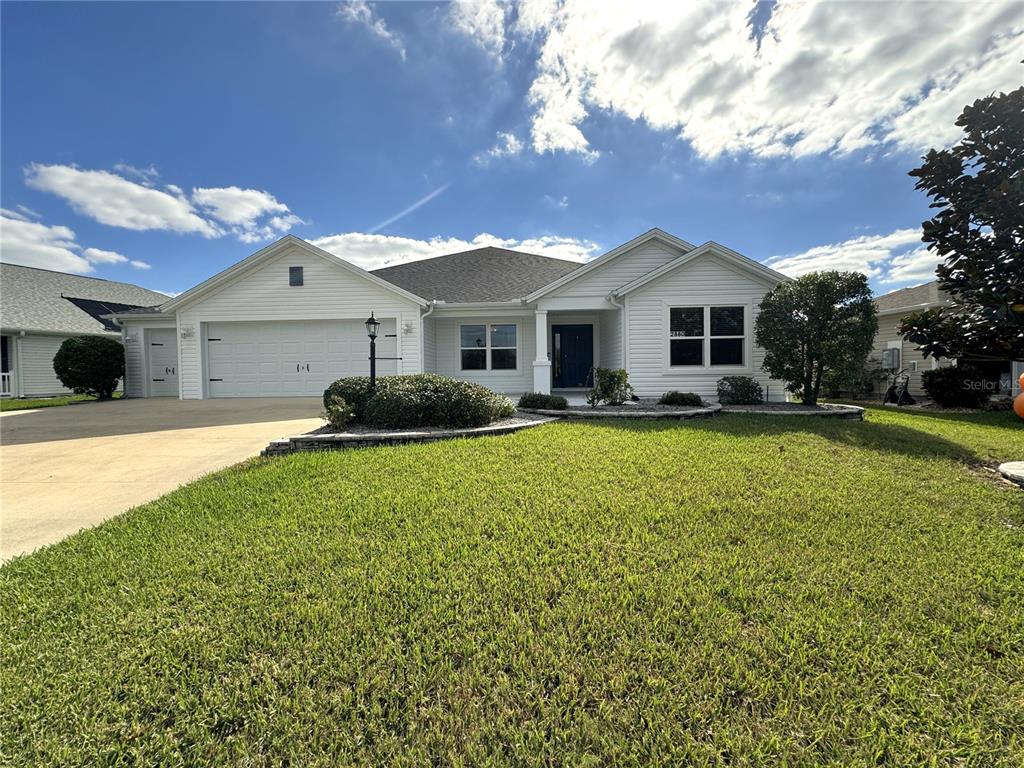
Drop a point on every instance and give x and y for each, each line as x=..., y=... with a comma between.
x=40, y=308
x=289, y=319
x=904, y=355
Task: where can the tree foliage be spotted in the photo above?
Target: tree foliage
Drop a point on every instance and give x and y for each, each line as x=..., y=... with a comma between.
x=977, y=189
x=90, y=365
x=821, y=324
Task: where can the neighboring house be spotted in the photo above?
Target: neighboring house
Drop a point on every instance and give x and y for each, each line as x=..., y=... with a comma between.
x=289, y=319
x=893, y=307
x=40, y=308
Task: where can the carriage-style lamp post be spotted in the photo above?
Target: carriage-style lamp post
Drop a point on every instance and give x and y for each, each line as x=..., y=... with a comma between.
x=372, y=324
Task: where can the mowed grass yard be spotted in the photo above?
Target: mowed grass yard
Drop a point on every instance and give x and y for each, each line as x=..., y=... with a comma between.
x=745, y=590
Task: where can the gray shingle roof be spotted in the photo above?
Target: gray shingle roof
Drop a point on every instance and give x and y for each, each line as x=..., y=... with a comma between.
x=31, y=299
x=926, y=293
x=483, y=274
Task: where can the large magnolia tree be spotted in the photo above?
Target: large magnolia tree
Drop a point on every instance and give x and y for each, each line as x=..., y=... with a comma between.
x=819, y=326
x=977, y=189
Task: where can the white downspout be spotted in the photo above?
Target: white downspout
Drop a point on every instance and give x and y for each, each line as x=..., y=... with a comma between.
x=423, y=334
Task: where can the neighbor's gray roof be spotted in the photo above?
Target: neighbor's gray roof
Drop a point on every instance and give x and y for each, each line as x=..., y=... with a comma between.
x=915, y=296
x=483, y=274
x=32, y=299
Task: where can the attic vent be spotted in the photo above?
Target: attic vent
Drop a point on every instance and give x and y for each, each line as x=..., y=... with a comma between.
x=294, y=275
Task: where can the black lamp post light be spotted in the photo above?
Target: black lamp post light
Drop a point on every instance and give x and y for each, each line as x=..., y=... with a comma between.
x=372, y=326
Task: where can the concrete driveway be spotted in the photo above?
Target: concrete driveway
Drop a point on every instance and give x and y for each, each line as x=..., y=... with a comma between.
x=70, y=467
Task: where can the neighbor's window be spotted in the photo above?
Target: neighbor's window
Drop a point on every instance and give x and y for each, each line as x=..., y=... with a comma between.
x=294, y=275
x=700, y=336
x=488, y=347
x=726, y=335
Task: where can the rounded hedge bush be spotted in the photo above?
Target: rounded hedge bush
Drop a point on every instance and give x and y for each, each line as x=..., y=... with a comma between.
x=419, y=400
x=690, y=399
x=90, y=365
x=543, y=402
x=739, y=390
x=956, y=387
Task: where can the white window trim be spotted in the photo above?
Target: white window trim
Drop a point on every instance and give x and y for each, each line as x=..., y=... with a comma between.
x=488, y=371
x=725, y=370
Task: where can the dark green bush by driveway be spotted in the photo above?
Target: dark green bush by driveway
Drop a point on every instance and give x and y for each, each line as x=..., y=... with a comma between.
x=419, y=400
x=90, y=365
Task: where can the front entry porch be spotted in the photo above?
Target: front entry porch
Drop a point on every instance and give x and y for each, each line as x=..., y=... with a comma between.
x=570, y=344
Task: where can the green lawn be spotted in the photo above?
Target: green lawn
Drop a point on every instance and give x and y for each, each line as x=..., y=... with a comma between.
x=741, y=590
x=13, y=404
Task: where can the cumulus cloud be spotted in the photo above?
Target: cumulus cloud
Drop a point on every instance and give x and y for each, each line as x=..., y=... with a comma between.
x=897, y=257
x=812, y=78
x=507, y=144
x=147, y=176
x=242, y=209
x=251, y=215
x=116, y=201
x=362, y=13
x=483, y=22
x=372, y=251
x=34, y=244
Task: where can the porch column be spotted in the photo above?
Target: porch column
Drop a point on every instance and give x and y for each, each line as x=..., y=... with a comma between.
x=542, y=365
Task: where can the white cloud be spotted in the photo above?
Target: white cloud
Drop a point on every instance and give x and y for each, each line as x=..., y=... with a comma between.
x=371, y=251
x=361, y=13
x=556, y=202
x=897, y=257
x=116, y=201
x=96, y=256
x=252, y=215
x=483, y=22
x=822, y=78
x=507, y=144
x=147, y=176
x=241, y=209
x=34, y=244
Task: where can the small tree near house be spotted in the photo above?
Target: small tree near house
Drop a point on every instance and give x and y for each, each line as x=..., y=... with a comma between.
x=817, y=326
x=90, y=365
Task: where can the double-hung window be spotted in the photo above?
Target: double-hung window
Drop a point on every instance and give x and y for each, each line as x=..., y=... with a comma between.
x=490, y=347
x=709, y=335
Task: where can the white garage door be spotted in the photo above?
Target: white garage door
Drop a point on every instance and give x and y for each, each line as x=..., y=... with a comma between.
x=280, y=359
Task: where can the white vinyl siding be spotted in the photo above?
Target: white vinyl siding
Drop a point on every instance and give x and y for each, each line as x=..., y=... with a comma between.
x=611, y=340
x=35, y=359
x=704, y=282
x=327, y=293
x=623, y=269
x=448, y=352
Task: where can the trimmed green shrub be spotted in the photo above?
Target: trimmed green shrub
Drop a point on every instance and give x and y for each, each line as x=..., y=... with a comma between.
x=90, y=365
x=354, y=390
x=691, y=399
x=420, y=400
x=611, y=385
x=543, y=402
x=338, y=412
x=959, y=387
x=739, y=390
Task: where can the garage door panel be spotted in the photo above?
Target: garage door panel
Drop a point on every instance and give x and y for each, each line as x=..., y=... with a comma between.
x=275, y=359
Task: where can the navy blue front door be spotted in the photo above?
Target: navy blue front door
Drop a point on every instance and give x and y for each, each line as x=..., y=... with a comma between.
x=572, y=356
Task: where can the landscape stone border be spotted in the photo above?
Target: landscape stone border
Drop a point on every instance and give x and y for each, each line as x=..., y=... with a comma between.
x=1013, y=471
x=341, y=441
x=628, y=412
x=826, y=411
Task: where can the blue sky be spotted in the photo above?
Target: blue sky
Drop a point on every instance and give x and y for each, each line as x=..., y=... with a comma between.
x=160, y=143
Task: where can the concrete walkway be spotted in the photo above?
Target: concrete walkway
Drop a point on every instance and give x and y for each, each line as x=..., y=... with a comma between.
x=70, y=467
